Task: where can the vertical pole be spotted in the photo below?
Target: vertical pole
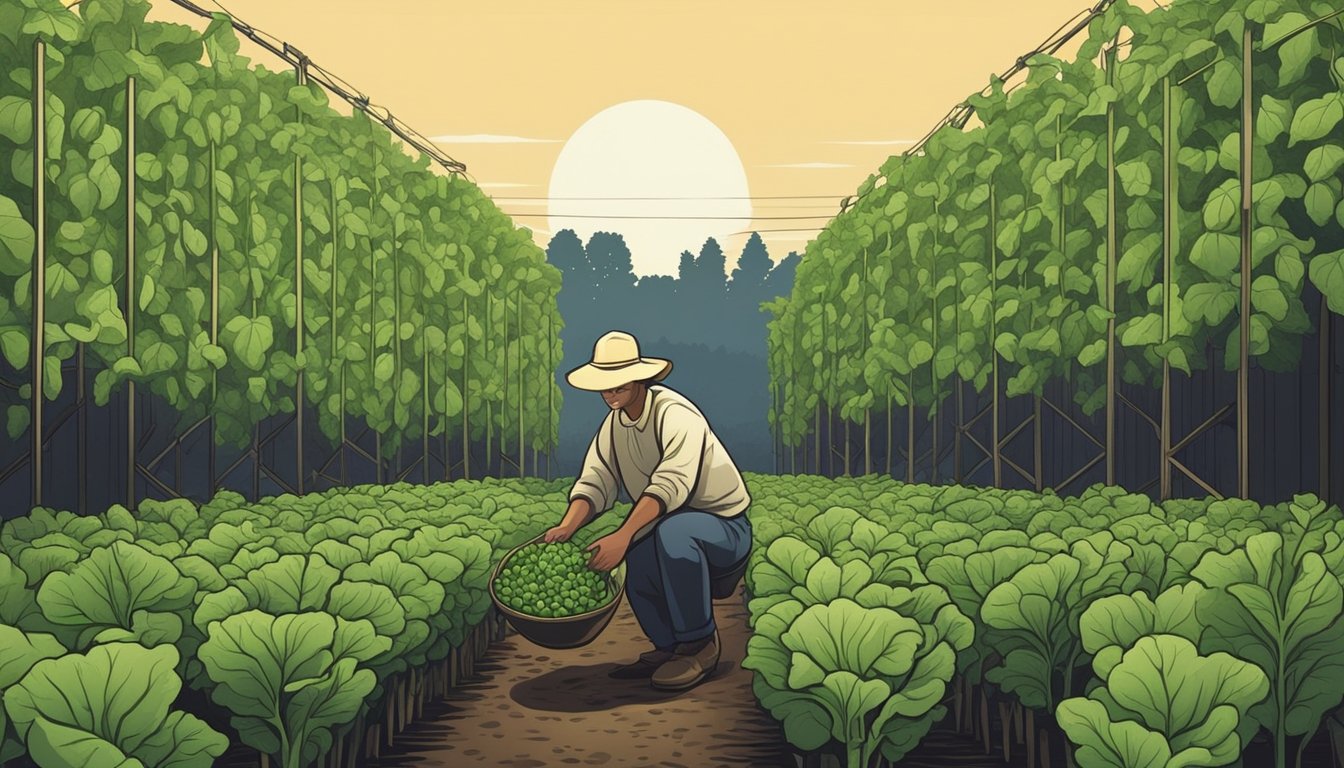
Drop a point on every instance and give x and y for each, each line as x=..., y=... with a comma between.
x=1036, y=426
x=424, y=406
x=302, y=78
x=130, y=289
x=466, y=398
x=214, y=313
x=1110, y=272
x=522, y=456
x=256, y=463
x=1168, y=203
x=816, y=436
x=550, y=388
x=934, y=414
x=83, y=459
x=335, y=294
x=39, y=285
x=344, y=477
x=1326, y=366
x=1244, y=365
x=446, y=432
x=890, y=447
x=956, y=436
x=910, y=436
x=993, y=334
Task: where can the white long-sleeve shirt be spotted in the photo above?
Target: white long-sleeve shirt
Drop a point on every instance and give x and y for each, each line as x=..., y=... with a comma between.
x=670, y=453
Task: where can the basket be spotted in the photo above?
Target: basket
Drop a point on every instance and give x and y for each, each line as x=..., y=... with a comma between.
x=563, y=632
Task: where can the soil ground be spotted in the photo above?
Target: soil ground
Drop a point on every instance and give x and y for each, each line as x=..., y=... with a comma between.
x=532, y=707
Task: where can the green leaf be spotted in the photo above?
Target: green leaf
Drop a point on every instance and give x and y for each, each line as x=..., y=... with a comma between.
x=1327, y=273
x=1143, y=331
x=17, y=240
x=107, y=705
x=249, y=340
x=107, y=588
x=1320, y=203
x=1135, y=177
x=1223, y=207
x=1316, y=118
x=15, y=346
x=292, y=584
x=1267, y=296
x=1225, y=84
x=1323, y=162
x=16, y=119
x=16, y=420
x=146, y=292
x=1104, y=743
x=19, y=651
x=1216, y=253
x=1093, y=353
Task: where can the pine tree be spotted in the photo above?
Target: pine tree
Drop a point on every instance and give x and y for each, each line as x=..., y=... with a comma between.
x=753, y=266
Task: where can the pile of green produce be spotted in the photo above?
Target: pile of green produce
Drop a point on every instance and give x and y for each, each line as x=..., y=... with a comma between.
x=551, y=580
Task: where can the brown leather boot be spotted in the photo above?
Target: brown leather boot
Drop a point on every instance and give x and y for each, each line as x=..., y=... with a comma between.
x=644, y=667
x=690, y=664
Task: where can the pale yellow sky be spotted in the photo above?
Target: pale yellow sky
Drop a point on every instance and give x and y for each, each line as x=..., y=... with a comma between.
x=781, y=78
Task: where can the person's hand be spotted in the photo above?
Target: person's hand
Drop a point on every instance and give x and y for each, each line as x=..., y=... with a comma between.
x=558, y=533
x=608, y=552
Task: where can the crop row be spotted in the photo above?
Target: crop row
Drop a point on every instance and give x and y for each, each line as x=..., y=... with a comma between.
x=1127, y=633
x=1120, y=200
x=217, y=234
x=305, y=628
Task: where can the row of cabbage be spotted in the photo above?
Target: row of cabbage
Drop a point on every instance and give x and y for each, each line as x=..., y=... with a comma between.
x=1131, y=634
x=295, y=626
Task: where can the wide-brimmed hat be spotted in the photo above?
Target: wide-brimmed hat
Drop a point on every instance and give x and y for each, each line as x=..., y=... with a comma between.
x=616, y=361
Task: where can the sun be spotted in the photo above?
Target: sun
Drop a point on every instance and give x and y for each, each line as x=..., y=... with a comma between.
x=651, y=149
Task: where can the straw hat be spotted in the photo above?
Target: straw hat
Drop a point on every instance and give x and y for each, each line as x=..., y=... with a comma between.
x=616, y=361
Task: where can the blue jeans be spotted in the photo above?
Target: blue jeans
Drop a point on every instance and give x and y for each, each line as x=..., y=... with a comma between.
x=668, y=572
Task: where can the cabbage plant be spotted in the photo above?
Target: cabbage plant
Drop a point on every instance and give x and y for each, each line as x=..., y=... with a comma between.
x=1163, y=705
x=110, y=707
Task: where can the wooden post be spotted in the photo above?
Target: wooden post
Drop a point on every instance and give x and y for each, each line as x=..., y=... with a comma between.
x=995, y=456
x=130, y=289
x=1326, y=366
x=1244, y=362
x=1111, y=250
x=522, y=456
x=466, y=398
x=39, y=283
x=83, y=458
x=424, y=406
x=302, y=77
x=214, y=309
x=1168, y=243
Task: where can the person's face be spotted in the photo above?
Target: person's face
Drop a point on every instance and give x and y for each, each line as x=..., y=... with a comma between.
x=622, y=396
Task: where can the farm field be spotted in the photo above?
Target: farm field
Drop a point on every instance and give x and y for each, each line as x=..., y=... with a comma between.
x=972, y=610
x=1053, y=406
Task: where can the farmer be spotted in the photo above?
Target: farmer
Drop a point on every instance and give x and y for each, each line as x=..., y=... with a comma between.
x=688, y=527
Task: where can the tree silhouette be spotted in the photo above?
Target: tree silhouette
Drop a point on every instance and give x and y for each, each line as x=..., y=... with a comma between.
x=610, y=257
x=753, y=266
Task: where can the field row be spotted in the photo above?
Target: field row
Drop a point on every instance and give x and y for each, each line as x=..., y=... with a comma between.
x=1128, y=633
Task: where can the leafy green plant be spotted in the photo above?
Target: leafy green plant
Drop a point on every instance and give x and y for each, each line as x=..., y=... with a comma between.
x=289, y=680
x=1037, y=613
x=1163, y=705
x=110, y=706
x=119, y=593
x=19, y=651
x=1275, y=603
x=868, y=678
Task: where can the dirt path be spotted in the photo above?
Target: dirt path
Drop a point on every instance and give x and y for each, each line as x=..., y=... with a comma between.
x=536, y=707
